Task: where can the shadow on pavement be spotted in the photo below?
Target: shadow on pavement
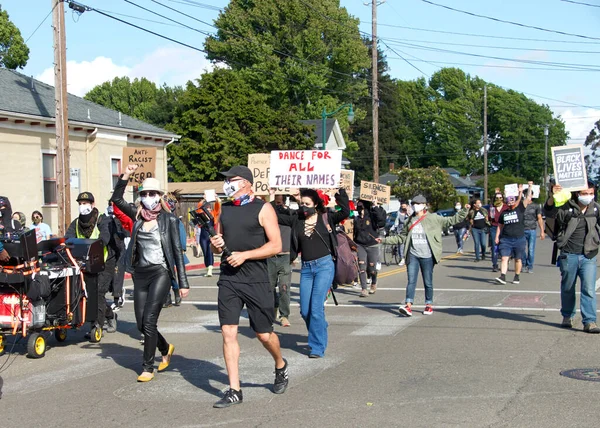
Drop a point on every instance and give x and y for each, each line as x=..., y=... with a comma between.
x=498, y=314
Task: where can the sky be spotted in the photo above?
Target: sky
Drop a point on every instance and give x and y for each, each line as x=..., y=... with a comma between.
x=100, y=48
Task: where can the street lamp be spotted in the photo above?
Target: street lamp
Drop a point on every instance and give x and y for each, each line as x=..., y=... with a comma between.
x=325, y=115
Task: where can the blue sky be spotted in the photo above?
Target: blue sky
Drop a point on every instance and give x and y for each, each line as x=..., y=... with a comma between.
x=100, y=48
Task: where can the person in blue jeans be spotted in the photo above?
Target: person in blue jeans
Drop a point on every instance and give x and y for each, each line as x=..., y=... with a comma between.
x=311, y=238
x=578, y=240
x=460, y=230
x=478, y=219
x=532, y=219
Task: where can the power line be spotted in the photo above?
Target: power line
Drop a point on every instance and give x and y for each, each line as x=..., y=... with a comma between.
x=581, y=3
x=491, y=18
x=197, y=4
x=167, y=18
x=179, y=25
x=40, y=24
x=407, y=61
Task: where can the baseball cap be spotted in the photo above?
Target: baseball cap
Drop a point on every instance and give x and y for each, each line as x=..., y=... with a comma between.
x=85, y=196
x=419, y=199
x=239, y=171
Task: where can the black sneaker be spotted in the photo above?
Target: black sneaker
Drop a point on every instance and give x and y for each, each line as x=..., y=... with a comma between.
x=495, y=269
x=281, y=379
x=230, y=398
x=516, y=279
x=502, y=278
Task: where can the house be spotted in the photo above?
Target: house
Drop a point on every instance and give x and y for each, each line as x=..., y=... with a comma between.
x=333, y=134
x=463, y=185
x=97, y=136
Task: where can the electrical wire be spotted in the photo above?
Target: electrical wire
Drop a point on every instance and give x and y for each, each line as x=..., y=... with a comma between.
x=518, y=24
x=407, y=61
x=40, y=24
x=197, y=4
x=580, y=3
x=167, y=18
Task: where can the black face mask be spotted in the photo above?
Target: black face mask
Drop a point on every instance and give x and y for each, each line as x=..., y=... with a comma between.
x=360, y=209
x=306, y=212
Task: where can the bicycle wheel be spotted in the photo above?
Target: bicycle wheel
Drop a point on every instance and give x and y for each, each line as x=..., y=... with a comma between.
x=396, y=253
x=387, y=254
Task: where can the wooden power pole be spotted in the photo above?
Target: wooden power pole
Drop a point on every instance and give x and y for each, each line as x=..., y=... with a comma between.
x=63, y=175
x=375, y=96
x=485, y=147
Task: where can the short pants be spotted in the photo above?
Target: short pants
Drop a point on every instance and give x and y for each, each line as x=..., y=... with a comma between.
x=514, y=247
x=258, y=298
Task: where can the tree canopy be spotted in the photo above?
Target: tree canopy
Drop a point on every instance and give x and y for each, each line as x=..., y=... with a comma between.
x=433, y=183
x=14, y=53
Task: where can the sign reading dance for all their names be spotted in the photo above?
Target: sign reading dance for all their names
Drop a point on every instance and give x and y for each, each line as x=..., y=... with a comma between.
x=260, y=165
x=569, y=167
x=375, y=192
x=145, y=158
x=316, y=169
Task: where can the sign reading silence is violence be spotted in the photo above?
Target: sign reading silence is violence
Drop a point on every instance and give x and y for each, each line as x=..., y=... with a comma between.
x=569, y=167
x=144, y=158
x=316, y=169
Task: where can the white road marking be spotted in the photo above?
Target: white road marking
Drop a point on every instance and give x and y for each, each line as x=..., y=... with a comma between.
x=385, y=325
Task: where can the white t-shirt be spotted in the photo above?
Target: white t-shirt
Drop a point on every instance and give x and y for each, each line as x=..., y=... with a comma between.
x=42, y=231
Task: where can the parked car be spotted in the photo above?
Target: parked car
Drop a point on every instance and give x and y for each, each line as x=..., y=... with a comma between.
x=447, y=213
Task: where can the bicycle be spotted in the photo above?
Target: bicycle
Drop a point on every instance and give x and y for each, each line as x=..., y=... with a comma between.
x=391, y=252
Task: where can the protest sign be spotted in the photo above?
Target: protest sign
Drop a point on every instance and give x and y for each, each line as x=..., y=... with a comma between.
x=347, y=181
x=210, y=195
x=316, y=169
x=259, y=164
x=375, y=192
x=569, y=167
x=535, y=189
x=511, y=190
x=144, y=158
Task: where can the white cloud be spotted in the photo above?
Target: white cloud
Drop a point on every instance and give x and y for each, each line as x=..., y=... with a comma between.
x=580, y=123
x=171, y=65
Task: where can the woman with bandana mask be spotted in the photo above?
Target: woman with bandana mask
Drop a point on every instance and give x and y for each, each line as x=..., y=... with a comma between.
x=422, y=236
x=311, y=238
x=155, y=257
x=90, y=224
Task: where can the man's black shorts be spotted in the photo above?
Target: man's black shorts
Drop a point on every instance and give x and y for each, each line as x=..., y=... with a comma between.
x=258, y=298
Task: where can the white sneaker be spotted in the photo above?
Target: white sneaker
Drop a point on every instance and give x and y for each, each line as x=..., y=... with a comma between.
x=209, y=271
x=369, y=280
x=378, y=266
x=402, y=262
x=460, y=251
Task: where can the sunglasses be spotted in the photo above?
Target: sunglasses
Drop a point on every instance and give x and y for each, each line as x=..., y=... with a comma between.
x=37, y=217
x=151, y=193
x=235, y=179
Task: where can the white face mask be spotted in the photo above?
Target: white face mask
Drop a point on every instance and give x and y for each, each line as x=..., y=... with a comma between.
x=418, y=208
x=230, y=188
x=150, y=202
x=585, y=199
x=457, y=207
x=85, y=209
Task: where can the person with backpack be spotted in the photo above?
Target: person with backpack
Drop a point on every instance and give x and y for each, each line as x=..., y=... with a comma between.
x=422, y=237
x=366, y=232
x=313, y=235
x=577, y=234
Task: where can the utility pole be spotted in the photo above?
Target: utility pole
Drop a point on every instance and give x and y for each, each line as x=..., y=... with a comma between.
x=63, y=175
x=485, y=147
x=375, y=95
x=546, y=129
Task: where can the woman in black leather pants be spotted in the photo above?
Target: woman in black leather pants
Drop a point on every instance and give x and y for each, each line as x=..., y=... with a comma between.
x=154, y=257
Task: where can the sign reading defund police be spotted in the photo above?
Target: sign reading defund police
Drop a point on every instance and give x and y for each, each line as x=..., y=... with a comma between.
x=316, y=169
x=569, y=167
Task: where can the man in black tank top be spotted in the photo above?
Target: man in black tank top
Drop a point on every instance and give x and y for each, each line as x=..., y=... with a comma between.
x=249, y=228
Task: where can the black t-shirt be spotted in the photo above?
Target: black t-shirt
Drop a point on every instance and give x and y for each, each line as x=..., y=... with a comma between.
x=513, y=221
x=575, y=243
x=316, y=245
x=478, y=219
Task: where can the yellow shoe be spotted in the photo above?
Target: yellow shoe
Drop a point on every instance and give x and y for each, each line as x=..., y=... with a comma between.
x=145, y=377
x=163, y=366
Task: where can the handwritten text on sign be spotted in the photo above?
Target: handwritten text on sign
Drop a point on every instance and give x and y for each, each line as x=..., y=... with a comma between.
x=375, y=192
x=259, y=164
x=305, y=168
x=569, y=167
x=145, y=158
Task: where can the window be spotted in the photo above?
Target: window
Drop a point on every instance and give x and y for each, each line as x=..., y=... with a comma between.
x=115, y=165
x=49, y=174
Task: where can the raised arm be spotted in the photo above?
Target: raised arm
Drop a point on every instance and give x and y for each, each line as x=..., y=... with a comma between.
x=342, y=200
x=117, y=197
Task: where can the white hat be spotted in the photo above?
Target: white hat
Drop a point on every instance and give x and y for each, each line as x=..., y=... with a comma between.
x=150, y=184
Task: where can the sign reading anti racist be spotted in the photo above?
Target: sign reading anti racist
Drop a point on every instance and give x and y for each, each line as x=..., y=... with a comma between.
x=569, y=167
x=144, y=158
x=375, y=192
x=316, y=169
x=259, y=164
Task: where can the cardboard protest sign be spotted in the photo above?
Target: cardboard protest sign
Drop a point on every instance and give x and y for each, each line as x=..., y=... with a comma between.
x=375, y=192
x=569, y=167
x=347, y=181
x=535, y=189
x=511, y=190
x=317, y=169
x=260, y=165
x=145, y=158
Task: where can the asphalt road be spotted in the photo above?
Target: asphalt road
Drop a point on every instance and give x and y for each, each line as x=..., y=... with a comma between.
x=490, y=356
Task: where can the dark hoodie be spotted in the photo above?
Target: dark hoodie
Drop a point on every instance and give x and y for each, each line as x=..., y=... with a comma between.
x=7, y=224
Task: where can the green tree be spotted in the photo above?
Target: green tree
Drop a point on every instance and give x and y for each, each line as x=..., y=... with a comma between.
x=223, y=119
x=592, y=141
x=300, y=53
x=498, y=180
x=433, y=183
x=14, y=53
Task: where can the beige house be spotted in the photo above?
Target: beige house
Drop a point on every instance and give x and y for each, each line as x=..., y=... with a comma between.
x=97, y=136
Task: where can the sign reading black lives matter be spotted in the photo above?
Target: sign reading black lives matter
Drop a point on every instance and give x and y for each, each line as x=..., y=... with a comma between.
x=569, y=167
